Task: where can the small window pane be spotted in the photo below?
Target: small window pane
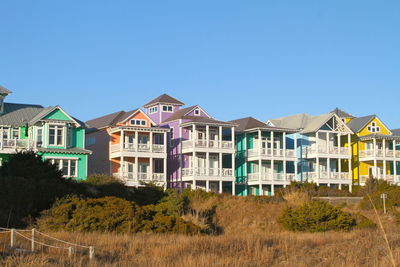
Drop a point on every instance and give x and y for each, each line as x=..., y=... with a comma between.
x=143, y=122
x=65, y=167
x=73, y=168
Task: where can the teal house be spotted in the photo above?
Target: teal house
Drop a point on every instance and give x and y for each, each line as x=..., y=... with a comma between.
x=266, y=157
x=51, y=132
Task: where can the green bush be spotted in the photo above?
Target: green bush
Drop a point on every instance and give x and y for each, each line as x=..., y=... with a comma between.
x=313, y=190
x=393, y=198
x=316, y=216
x=362, y=221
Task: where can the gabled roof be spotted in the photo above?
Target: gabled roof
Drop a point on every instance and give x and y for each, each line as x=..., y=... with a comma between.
x=180, y=114
x=164, y=99
x=395, y=132
x=106, y=120
x=19, y=114
x=4, y=91
x=129, y=114
x=357, y=124
x=204, y=120
x=47, y=111
x=305, y=122
x=248, y=123
x=341, y=113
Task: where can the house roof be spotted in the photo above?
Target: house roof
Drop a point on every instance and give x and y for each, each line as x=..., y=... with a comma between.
x=19, y=114
x=395, y=132
x=106, y=120
x=180, y=114
x=204, y=120
x=165, y=99
x=341, y=113
x=73, y=150
x=303, y=122
x=357, y=124
x=4, y=91
x=250, y=123
x=379, y=136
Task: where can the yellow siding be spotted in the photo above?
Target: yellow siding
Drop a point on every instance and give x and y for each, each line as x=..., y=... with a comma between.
x=383, y=129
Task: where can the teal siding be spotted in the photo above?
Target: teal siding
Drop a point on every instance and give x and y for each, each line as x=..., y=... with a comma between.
x=57, y=115
x=82, y=162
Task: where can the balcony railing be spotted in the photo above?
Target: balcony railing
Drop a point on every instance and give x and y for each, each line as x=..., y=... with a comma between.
x=16, y=143
x=254, y=152
x=254, y=177
x=379, y=153
x=131, y=147
x=140, y=177
x=212, y=172
x=325, y=175
x=344, y=151
x=207, y=144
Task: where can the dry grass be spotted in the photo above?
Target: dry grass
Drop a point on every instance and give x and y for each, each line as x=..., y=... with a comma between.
x=251, y=237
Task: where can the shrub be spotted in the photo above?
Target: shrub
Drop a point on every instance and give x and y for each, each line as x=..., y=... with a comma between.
x=316, y=216
x=362, y=221
x=393, y=198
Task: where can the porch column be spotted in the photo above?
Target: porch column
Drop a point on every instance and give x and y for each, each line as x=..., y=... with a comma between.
x=350, y=169
x=317, y=142
x=136, y=141
x=151, y=141
x=151, y=169
x=233, y=165
x=220, y=165
x=136, y=169
x=122, y=139
x=121, y=167
x=233, y=136
x=284, y=171
x=272, y=143
x=259, y=143
x=165, y=142
x=340, y=168
x=328, y=166
x=220, y=136
x=384, y=169
x=233, y=188
x=165, y=171
x=296, y=156
x=317, y=170
x=339, y=143
x=194, y=136
x=395, y=171
x=327, y=143
x=207, y=170
x=284, y=144
x=384, y=147
x=207, y=185
x=375, y=163
x=220, y=187
x=394, y=148
x=207, y=136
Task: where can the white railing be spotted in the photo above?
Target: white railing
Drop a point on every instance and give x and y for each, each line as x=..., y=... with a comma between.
x=212, y=172
x=324, y=175
x=203, y=144
x=344, y=151
x=16, y=143
x=132, y=147
x=379, y=153
x=141, y=176
x=254, y=177
x=254, y=152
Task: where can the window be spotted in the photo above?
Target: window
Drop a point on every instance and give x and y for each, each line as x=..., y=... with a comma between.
x=167, y=108
x=138, y=122
x=373, y=128
x=67, y=166
x=56, y=135
x=153, y=109
x=197, y=112
x=15, y=133
x=6, y=132
x=39, y=136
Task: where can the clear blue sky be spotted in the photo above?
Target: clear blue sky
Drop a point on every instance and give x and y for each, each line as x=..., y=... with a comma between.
x=235, y=58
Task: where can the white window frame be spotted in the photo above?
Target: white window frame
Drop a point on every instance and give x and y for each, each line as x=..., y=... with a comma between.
x=153, y=109
x=138, y=122
x=61, y=162
x=197, y=112
x=55, y=135
x=373, y=128
x=167, y=108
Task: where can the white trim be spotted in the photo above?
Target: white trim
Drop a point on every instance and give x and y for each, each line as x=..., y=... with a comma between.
x=167, y=106
x=198, y=107
x=50, y=157
x=59, y=108
x=144, y=113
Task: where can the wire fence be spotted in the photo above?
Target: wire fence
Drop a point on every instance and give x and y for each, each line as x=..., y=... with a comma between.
x=33, y=238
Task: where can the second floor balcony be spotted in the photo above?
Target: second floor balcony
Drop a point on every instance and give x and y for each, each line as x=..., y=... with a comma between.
x=332, y=151
x=268, y=152
x=379, y=153
x=215, y=173
x=204, y=144
x=326, y=177
x=12, y=144
x=268, y=177
x=140, y=177
x=137, y=147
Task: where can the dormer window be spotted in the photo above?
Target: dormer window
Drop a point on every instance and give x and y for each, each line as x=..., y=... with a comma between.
x=167, y=108
x=56, y=135
x=138, y=122
x=197, y=112
x=153, y=109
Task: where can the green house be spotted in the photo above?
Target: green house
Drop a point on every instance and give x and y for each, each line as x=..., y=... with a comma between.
x=50, y=132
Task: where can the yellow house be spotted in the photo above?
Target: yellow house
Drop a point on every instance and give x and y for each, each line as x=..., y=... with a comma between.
x=374, y=149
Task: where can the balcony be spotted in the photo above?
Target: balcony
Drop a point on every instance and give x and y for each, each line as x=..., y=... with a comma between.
x=323, y=177
x=213, y=173
x=269, y=153
x=132, y=147
x=131, y=178
x=11, y=145
x=308, y=152
x=379, y=153
x=390, y=178
x=203, y=145
x=269, y=177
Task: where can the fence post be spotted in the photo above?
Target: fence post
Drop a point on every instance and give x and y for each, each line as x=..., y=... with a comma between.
x=91, y=253
x=70, y=251
x=13, y=238
x=33, y=240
